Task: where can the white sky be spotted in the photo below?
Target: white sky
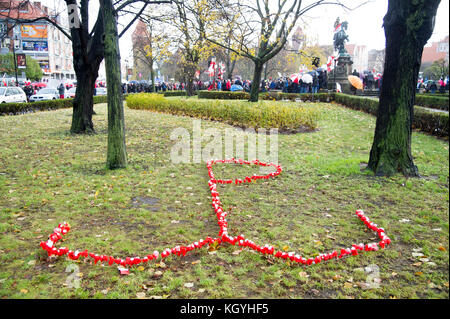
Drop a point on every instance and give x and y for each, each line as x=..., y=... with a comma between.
x=365, y=23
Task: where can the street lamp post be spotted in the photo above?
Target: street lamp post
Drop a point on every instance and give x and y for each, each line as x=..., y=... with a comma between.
x=15, y=59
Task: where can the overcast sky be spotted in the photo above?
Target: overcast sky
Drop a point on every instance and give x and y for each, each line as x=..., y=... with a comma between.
x=364, y=23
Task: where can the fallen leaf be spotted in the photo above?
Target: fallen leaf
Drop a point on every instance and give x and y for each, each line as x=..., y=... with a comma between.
x=442, y=248
x=236, y=252
x=195, y=262
x=140, y=295
x=348, y=285
x=419, y=273
x=303, y=274
x=189, y=285
x=140, y=268
x=213, y=246
x=157, y=274
x=417, y=264
x=161, y=265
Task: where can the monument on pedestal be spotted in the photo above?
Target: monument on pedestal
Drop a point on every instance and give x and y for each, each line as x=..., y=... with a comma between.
x=343, y=63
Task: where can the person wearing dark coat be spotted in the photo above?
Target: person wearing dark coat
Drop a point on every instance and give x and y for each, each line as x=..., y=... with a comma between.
x=61, y=91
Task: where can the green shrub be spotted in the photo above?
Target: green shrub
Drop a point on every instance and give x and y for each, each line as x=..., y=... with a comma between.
x=175, y=93
x=284, y=116
x=223, y=95
x=432, y=101
x=279, y=96
x=436, y=123
x=19, y=108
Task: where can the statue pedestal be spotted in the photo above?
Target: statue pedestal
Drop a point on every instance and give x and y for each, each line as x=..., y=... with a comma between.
x=340, y=73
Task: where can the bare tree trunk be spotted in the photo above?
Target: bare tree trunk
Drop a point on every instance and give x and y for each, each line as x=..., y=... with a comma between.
x=116, y=154
x=407, y=26
x=254, y=92
x=86, y=62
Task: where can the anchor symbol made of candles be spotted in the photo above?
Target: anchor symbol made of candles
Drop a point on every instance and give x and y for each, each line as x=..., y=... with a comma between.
x=223, y=236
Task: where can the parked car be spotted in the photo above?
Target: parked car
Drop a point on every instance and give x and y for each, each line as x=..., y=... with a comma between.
x=71, y=92
x=45, y=94
x=100, y=91
x=12, y=95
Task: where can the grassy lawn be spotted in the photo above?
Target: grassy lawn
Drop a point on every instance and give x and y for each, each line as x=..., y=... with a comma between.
x=48, y=176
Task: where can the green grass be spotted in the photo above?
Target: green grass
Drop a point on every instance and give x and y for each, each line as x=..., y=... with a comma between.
x=48, y=176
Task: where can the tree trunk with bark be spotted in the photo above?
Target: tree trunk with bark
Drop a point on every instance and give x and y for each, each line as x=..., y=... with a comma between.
x=407, y=26
x=83, y=104
x=152, y=75
x=254, y=92
x=87, y=56
x=116, y=153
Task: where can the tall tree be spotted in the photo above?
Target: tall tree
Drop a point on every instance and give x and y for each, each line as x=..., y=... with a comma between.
x=87, y=45
x=116, y=154
x=263, y=26
x=33, y=71
x=407, y=26
x=187, y=16
x=152, y=46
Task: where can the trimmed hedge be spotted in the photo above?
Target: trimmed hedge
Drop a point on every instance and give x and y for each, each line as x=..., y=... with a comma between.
x=21, y=108
x=285, y=117
x=434, y=102
x=223, y=95
x=436, y=123
x=279, y=96
x=175, y=93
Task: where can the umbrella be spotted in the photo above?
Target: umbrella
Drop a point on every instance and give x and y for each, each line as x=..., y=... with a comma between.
x=355, y=81
x=307, y=78
x=338, y=87
x=296, y=77
x=236, y=87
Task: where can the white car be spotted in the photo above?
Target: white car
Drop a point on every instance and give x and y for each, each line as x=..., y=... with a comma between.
x=70, y=93
x=12, y=95
x=100, y=91
x=45, y=94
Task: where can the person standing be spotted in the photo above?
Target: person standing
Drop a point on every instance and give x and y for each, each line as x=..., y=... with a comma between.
x=61, y=90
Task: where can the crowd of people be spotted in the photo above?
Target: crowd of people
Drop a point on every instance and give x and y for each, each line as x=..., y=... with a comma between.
x=371, y=81
x=284, y=84
x=146, y=87
x=431, y=86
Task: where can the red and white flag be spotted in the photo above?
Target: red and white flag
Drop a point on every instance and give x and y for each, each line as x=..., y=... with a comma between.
x=338, y=28
x=330, y=65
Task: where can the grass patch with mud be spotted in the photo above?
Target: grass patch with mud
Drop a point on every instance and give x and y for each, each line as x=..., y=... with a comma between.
x=48, y=176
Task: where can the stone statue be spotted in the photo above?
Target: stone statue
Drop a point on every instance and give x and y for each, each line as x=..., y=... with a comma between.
x=339, y=75
x=340, y=36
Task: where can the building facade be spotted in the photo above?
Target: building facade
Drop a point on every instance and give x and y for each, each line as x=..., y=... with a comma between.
x=40, y=40
x=437, y=50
